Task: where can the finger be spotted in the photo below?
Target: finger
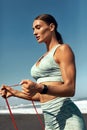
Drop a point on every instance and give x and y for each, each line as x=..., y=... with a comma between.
x=3, y=87
x=3, y=93
x=8, y=94
x=6, y=88
x=24, y=82
x=9, y=90
x=25, y=90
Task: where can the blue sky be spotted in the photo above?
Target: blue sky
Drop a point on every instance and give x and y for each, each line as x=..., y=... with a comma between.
x=19, y=49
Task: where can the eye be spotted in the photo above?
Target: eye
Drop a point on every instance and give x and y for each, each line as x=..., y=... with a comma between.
x=38, y=26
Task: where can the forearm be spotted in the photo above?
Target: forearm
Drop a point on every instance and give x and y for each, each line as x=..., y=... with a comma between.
x=22, y=95
x=61, y=90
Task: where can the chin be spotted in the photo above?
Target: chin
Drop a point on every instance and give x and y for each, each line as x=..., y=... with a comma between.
x=39, y=41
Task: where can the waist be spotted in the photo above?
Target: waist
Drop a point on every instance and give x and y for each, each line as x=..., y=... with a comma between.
x=55, y=103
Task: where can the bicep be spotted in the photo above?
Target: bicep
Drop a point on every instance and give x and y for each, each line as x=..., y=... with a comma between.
x=68, y=71
x=67, y=65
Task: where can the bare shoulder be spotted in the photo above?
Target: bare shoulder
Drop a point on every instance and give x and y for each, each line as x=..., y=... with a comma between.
x=65, y=48
x=64, y=52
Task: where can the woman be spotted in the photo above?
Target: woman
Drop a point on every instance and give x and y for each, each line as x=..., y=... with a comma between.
x=55, y=73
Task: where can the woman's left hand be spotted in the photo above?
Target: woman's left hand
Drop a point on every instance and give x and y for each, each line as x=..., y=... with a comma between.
x=29, y=87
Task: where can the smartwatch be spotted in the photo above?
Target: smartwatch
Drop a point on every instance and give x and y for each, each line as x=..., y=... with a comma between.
x=45, y=89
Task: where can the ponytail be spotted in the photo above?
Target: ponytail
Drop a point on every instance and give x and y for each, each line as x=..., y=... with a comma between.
x=59, y=37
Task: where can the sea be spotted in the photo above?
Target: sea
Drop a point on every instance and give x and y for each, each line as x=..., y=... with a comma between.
x=20, y=106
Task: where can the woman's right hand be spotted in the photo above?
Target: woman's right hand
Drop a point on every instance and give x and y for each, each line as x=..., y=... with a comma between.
x=7, y=91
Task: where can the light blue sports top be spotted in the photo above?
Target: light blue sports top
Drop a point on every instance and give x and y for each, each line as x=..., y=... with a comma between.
x=48, y=69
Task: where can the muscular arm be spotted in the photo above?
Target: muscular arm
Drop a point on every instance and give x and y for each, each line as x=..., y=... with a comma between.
x=65, y=58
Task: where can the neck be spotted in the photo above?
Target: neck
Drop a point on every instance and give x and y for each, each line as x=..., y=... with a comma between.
x=51, y=42
x=50, y=45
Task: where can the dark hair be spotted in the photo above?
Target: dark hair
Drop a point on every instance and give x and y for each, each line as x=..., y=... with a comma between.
x=50, y=19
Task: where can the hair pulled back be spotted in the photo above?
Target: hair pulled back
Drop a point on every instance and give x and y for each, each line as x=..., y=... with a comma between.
x=47, y=18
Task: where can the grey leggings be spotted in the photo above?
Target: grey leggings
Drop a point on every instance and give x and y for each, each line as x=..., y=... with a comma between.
x=62, y=114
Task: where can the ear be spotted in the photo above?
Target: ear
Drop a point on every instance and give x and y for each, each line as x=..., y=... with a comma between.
x=52, y=27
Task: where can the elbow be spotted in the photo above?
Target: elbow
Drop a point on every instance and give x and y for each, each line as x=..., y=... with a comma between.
x=72, y=92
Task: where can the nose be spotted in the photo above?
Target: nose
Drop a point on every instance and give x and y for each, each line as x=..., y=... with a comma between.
x=34, y=32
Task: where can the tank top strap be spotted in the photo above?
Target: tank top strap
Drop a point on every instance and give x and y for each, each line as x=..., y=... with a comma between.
x=54, y=49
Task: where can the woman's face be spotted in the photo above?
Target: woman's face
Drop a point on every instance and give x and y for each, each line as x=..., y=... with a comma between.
x=42, y=31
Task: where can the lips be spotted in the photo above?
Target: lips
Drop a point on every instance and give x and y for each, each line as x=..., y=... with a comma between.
x=37, y=37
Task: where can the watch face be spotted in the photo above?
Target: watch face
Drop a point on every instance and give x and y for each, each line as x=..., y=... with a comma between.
x=45, y=89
